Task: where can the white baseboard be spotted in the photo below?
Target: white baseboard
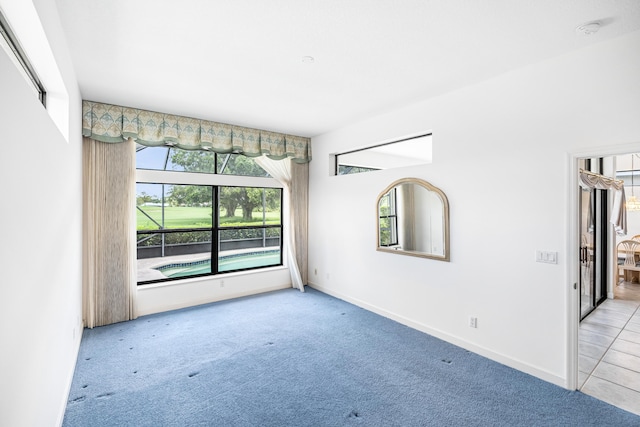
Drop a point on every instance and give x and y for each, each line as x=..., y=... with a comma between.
x=71, y=371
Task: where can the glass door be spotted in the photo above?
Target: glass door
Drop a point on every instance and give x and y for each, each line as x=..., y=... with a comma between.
x=593, y=246
x=587, y=246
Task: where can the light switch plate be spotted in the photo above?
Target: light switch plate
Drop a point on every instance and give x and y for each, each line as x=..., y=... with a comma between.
x=548, y=257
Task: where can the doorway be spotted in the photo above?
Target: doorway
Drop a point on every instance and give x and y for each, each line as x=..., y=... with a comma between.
x=608, y=310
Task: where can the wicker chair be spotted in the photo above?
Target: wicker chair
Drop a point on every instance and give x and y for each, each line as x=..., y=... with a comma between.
x=627, y=254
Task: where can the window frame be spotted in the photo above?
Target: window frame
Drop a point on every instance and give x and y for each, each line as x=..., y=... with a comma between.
x=170, y=177
x=218, y=228
x=392, y=216
x=341, y=168
x=19, y=56
x=218, y=169
x=345, y=169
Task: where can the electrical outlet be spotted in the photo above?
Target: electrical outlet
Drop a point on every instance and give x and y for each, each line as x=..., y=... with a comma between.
x=315, y=271
x=222, y=283
x=473, y=322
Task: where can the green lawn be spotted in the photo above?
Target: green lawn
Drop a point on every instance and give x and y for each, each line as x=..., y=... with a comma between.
x=195, y=217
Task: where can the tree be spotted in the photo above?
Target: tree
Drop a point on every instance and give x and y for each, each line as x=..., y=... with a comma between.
x=189, y=195
x=230, y=197
x=249, y=199
x=143, y=198
x=273, y=198
x=193, y=161
x=237, y=164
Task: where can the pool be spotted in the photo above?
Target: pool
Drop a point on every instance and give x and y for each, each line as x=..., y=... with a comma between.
x=225, y=263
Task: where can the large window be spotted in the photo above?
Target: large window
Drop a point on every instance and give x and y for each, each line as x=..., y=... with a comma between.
x=204, y=228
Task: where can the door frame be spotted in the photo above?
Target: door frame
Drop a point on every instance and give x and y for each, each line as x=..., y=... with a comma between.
x=572, y=321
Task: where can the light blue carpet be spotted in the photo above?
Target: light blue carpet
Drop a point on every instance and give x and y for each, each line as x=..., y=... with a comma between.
x=288, y=358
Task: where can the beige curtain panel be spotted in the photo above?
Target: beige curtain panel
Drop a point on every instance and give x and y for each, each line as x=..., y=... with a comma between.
x=295, y=180
x=299, y=189
x=109, y=232
x=112, y=123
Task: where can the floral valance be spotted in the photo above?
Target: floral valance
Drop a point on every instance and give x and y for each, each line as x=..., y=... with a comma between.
x=112, y=123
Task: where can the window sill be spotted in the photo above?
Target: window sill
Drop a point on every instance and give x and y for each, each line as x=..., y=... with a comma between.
x=217, y=277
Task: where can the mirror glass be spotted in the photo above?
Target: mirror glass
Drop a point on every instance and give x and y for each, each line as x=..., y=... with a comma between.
x=413, y=219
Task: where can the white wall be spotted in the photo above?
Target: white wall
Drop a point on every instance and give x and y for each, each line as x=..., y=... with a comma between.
x=40, y=243
x=156, y=298
x=501, y=155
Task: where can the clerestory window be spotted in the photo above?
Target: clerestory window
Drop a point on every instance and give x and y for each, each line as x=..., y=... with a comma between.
x=410, y=151
x=201, y=213
x=9, y=42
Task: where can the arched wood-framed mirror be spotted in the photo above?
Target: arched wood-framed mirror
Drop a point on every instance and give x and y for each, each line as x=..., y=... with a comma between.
x=413, y=219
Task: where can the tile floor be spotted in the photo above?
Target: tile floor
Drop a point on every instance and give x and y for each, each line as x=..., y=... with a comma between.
x=609, y=350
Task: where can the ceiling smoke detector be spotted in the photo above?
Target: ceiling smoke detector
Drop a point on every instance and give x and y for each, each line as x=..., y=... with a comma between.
x=588, y=28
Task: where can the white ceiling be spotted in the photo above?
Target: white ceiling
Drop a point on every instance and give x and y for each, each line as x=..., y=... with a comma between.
x=240, y=61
